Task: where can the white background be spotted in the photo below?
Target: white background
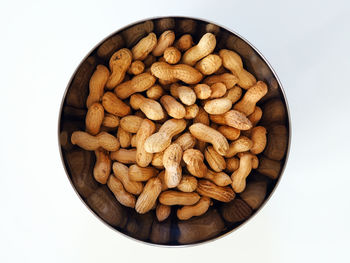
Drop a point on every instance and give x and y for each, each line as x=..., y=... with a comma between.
x=306, y=220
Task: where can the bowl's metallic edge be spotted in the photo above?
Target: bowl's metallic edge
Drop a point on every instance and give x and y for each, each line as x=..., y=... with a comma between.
x=282, y=169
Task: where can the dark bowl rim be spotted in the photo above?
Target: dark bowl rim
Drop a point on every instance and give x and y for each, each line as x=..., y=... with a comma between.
x=282, y=169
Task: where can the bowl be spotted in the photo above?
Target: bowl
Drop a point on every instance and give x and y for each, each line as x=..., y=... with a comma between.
x=221, y=218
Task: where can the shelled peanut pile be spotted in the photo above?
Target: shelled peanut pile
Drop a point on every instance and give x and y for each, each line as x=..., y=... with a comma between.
x=173, y=124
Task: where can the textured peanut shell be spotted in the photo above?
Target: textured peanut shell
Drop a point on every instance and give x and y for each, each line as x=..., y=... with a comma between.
x=229, y=132
x=207, y=134
x=97, y=84
x=147, y=128
x=255, y=116
x=186, y=95
x=234, y=94
x=194, y=161
x=202, y=117
x=209, y=65
x=187, y=184
x=145, y=46
x=218, y=106
x=191, y=111
x=171, y=161
x=205, y=46
x=149, y=196
x=117, y=188
x=136, y=67
x=186, y=141
x=131, y=123
x=203, y=91
x=121, y=172
x=242, y=144
x=184, y=43
x=215, y=160
x=112, y=104
x=220, y=178
x=237, y=120
x=91, y=143
x=94, y=118
x=162, y=212
x=209, y=189
x=119, y=63
x=110, y=120
x=188, y=211
x=151, y=108
x=217, y=90
x=157, y=160
x=124, y=137
x=239, y=176
x=228, y=79
x=102, y=168
x=172, y=55
x=155, y=92
x=258, y=136
x=232, y=164
x=165, y=40
x=171, y=197
x=138, y=83
x=124, y=156
x=174, y=108
x=141, y=174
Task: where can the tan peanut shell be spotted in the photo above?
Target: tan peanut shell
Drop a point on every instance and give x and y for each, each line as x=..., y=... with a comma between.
x=121, y=172
x=184, y=43
x=202, y=117
x=207, y=134
x=186, y=141
x=149, y=196
x=215, y=160
x=209, y=65
x=191, y=111
x=217, y=106
x=194, y=162
x=92, y=143
x=165, y=40
x=155, y=92
x=124, y=156
x=172, y=55
x=145, y=46
x=232, y=164
x=131, y=123
x=258, y=136
x=162, y=212
x=174, y=108
x=242, y=144
x=233, y=62
x=234, y=94
x=112, y=104
x=171, y=160
x=183, y=72
x=136, y=32
x=209, y=189
x=228, y=79
x=138, y=83
x=117, y=188
x=136, y=67
x=251, y=97
x=97, y=84
x=217, y=90
x=94, y=118
x=119, y=63
x=102, y=168
x=157, y=160
x=229, y=132
x=185, y=94
x=239, y=176
x=220, y=178
x=187, y=184
x=237, y=120
x=110, y=120
x=188, y=211
x=124, y=137
x=203, y=91
x=161, y=177
x=147, y=128
x=205, y=46
x=171, y=197
x=162, y=139
x=133, y=142
x=255, y=116
x=141, y=174
x=148, y=61
x=151, y=108
x=254, y=194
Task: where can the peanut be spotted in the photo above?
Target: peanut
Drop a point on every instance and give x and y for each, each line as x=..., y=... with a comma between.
x=136, y=67
x=203, y=91
x=121, y=172
x=162, y=139
x=218, y=90
x=92, y=143
x=124, y=137
x=171, y=197
x=194, y=161
x=147, y=128
x=157, y=160
x=155, y=92
x=191, y=112
x=184, y=43
x=174, y=108
x=171, y=161
x=131, y=123
x=136, y=32
x=119, y=63
x=138, y=83
x=124, y=156
x=220, y=179
x=97, y=83
x=205, y=133
x=185, y=94
x=228, y=79
x=102, y=168
x=232, y=164
x=209, y=65
x=182, y=72
x=165, y=40
x=215, y=160
x=94, y=118
x=237, y=120
x=205, y=46
x=172, y=55
x=151, y=108
x=112, y=104
x=251, y=97
x=117, y=188
x=149, y=195
x=188, y=211
x=233, y=62
x=239, y=176
x=255, y=116
x=229, y=132
x=258, y=136
x=186, y=141
x=187, y=184
x=242, y=144
x=162, y=212
x=110, y=120
x=209, y=189
x=161, y=177
x=141, y=174
x=145, y=46
x=218, y=106
x=234, y=94
x=133, y=142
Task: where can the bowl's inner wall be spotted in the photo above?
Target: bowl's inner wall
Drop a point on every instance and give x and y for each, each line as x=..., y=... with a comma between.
x=79, y=163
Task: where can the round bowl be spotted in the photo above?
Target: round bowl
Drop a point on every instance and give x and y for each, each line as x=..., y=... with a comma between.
x=221, y=219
